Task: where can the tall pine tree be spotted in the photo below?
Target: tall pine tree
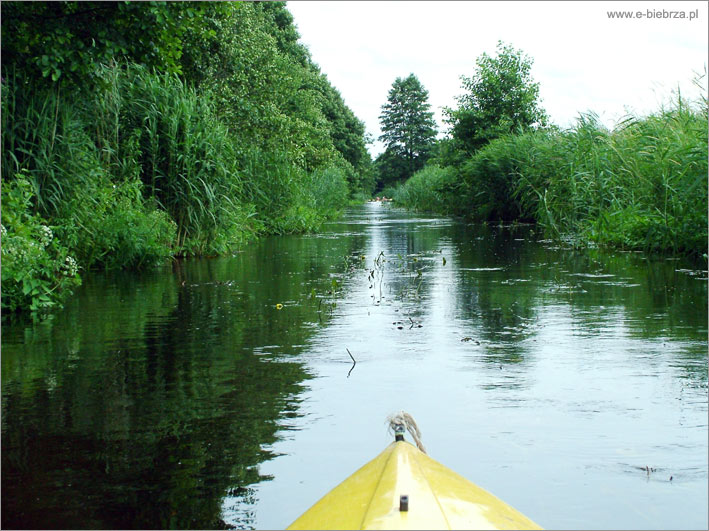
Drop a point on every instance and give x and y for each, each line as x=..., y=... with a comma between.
x=409, y=130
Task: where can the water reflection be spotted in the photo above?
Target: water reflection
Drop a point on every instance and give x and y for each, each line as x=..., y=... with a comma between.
x=220, y=393
x=551, y=367
x=152, y=396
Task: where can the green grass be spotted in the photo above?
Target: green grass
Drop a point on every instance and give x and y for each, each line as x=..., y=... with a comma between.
x=640, y=186
x=431, y=189
x=142, y=170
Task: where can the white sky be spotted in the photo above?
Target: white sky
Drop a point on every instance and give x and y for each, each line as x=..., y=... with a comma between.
x=583, y=60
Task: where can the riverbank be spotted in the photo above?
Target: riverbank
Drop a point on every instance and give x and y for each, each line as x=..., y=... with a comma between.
x=115, y=157
x=641, y=186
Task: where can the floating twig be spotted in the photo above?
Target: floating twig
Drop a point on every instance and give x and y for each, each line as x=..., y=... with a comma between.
x=354, y=362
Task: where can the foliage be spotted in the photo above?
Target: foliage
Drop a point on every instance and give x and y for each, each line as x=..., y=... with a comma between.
x=186, y=158
x=269, y=93
x=640, y=186
x=390, y=169
x=501, y=98
x=328, y=190
x=37, y=271
x=488, y=182
x=348, y=137
x=391, y=191
x=147, y=130
x=113, y=227
x=431, y=189
x=408, y=128
x=72, y=40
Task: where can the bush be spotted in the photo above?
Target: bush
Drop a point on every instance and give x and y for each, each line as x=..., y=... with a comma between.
x=112, y=227
x=37, y=270
x=640, y=186
x=183, y=153
x=391, y=190
x=431, y=189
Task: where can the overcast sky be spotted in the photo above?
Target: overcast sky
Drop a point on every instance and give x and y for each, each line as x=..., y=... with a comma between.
x=583, y=60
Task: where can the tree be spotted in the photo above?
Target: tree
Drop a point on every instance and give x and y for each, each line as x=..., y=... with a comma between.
x=390, y=168
x=501, y=98
x=409, y=130
x=69, y=41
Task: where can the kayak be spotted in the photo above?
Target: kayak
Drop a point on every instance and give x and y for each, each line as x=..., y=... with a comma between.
x=403, y=488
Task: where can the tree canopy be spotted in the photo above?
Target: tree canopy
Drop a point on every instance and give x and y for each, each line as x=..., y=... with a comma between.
x=68, y=41
x=501, y=97
x=408, y=129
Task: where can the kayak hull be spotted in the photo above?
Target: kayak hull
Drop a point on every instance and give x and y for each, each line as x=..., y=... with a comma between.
x=438, y=498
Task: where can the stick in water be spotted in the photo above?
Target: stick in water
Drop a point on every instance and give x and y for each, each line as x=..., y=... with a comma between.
x=354, y=362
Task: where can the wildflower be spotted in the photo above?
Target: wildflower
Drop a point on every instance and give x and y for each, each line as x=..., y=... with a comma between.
x=70, y=267
x=45, y=235
x=279, y=306
x=3, y=230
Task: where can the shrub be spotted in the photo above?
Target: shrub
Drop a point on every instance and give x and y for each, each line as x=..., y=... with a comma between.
x=112, y=227
x=431, y=189
x=37, y=270
x=184, y=154
x=640, y=186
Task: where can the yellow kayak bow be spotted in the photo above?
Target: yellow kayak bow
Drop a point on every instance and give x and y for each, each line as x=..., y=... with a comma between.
x=403, y=488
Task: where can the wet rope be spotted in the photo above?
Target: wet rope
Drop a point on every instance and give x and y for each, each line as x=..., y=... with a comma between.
x=401, y=422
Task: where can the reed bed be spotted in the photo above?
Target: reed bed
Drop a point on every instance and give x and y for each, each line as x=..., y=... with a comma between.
x=142, y=170
x=642, y=185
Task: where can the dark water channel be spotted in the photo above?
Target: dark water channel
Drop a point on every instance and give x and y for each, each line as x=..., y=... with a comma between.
x=187, y=397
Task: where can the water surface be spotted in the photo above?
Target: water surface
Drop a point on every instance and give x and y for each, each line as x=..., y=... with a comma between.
x=220, y=393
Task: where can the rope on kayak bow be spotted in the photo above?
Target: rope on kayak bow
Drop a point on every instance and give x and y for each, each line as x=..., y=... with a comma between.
x=401, y=422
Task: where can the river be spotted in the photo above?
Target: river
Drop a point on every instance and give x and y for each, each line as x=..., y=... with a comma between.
x=219, y=393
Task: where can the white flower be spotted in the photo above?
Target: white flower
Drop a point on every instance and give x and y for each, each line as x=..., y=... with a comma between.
x=45, y=236
x=70, y=266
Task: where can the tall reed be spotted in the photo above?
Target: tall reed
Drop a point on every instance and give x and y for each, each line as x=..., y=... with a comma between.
x=431, y=189
x=642, y=185
x=186, y=156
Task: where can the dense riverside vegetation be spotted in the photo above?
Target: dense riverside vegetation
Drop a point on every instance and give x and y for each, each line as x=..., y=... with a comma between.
x=641, y=185
x=133, y=132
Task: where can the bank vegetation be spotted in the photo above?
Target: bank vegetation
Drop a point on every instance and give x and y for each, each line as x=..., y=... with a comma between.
x=641, y=185
x=135, y=132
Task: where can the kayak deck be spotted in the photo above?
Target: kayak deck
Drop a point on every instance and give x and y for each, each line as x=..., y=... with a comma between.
x=438, y=498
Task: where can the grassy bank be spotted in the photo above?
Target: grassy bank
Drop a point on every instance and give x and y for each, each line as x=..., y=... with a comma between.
x=642, y=185
x=139, y=173
x=133, y=133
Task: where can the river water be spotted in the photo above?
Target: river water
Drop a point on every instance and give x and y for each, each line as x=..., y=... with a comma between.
x=220, y=393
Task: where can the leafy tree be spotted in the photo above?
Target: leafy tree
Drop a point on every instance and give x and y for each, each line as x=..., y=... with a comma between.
x=69, y=41
x=408, y=127
x=501, y=98
x=348, y=135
